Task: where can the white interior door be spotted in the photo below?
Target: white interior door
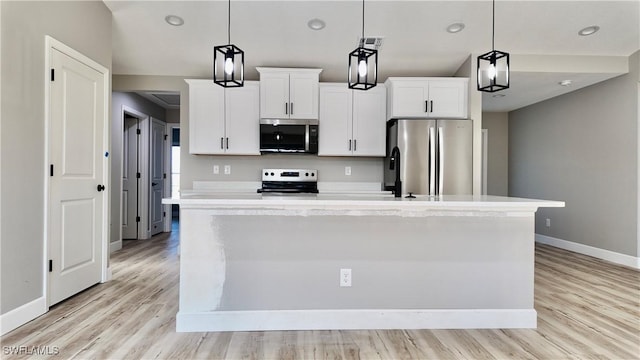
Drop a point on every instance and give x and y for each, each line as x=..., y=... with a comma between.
x=157, y=176
x=130, y=149
x=77, y=196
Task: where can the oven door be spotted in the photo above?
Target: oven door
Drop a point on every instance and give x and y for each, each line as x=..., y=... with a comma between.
x=291, y=136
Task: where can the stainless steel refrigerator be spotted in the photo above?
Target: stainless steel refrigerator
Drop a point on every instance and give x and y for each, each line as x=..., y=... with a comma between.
x=435, y=156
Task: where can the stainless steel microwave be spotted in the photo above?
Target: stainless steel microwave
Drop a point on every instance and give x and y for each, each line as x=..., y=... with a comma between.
x=288, y=136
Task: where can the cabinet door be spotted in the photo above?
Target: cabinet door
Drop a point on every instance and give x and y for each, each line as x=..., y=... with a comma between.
x=303, y=95
x=274, y=95
x=409, y=99
x=242, y=116
x=369, y=122
x=448, y=98
x=206, y=117
x=335, y=120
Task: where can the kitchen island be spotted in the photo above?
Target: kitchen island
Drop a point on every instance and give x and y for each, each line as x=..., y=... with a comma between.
x=259, y=262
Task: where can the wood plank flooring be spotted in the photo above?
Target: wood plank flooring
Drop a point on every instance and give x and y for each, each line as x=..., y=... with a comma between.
x=587, y=309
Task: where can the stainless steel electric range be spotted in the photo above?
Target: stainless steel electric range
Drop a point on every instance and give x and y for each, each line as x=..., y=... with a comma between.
x=289, y=181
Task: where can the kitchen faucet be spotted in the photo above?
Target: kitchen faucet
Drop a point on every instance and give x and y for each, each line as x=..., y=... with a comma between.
x=395, y=157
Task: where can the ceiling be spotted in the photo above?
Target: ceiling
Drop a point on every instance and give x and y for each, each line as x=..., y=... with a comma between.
x=416, y=43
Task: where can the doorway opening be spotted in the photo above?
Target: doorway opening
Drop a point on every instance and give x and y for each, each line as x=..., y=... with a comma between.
x=131, y=176
x=174, y=131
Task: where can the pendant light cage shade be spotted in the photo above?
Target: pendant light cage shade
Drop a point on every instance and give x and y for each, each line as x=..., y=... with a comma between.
x=493, y=71
x=363, y=68
x=228, y=66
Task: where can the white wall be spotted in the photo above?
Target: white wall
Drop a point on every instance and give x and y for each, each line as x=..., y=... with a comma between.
x=468, y=69
x=497, y=125
x=86, y=27
x=582, y=148
x=118, y=101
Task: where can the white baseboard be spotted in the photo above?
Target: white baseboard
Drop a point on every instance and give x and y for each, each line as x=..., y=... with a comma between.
x=115, y=246
x=22, y=315
x=603, y=254
x=356, y=319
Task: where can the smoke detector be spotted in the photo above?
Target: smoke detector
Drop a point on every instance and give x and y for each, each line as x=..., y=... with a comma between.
x=370, y=42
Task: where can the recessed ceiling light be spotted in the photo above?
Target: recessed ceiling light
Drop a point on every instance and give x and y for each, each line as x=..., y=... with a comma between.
x=565, y=82
x=316, y=24
x=174, y=20
x=498, y=95
x=455, y=28
x=589, y=30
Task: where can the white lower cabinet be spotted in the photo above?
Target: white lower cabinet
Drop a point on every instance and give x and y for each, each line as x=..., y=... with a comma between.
x=224, y=121
x=352, y=122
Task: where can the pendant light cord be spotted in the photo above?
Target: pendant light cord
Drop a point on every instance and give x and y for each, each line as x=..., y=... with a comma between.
x=362, y=23
x=229, y=23
x=493, y=29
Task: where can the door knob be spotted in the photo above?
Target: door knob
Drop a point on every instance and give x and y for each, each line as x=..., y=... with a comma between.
x=100, y=188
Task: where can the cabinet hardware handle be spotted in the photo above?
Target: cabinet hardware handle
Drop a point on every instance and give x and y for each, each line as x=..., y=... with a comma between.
x=286, y=108
x=221, y=143
x=227, y=143
x=431, y=105
x=349, y=144
x=291, y=108
x=426, y=106
x=355, y=145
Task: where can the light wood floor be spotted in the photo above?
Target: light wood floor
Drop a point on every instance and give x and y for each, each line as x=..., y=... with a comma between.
x=587, y=309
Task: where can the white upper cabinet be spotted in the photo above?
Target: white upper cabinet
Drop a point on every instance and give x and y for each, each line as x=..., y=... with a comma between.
x=427, y=97
x=352, y=122
x=289, y=93
x=224, y=121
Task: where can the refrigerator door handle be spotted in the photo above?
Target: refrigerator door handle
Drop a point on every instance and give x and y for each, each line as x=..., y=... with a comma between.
x=440, y=160
x=432, y=162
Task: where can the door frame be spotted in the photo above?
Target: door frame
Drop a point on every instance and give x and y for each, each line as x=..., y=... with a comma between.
x=50, y=44
x=143, y=125
x=167, y=169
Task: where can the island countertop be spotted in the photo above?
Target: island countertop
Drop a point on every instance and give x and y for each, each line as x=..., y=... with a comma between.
x=357, y=201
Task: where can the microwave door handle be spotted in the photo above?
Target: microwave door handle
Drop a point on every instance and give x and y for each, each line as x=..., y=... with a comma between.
x=306, y=133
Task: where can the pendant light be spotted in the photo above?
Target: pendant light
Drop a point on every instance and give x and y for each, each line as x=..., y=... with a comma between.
x=493, y=67
x=363, y=65
x=228, y=61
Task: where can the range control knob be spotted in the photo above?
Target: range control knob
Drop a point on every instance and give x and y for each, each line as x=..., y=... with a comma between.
x=313, y=174
x=306, y=174
x=266, y=174
x=272, y=174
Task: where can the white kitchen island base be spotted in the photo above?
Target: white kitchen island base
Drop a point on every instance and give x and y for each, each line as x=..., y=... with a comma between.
x=254, y=263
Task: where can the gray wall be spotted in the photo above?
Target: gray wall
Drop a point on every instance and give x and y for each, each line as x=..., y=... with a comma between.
x=497, y=125
x=173, y=115
x=582, y=148
x=86, y=27
x=244, y=168
x=140, y=104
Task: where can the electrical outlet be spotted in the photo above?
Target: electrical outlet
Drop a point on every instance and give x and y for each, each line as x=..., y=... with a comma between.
x=216, y=169
x=345, y=277
x=347, y=170
x=227, y=169
x=548, y=222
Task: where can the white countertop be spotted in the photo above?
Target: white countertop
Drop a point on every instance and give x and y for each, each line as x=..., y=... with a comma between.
x=373, y=201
